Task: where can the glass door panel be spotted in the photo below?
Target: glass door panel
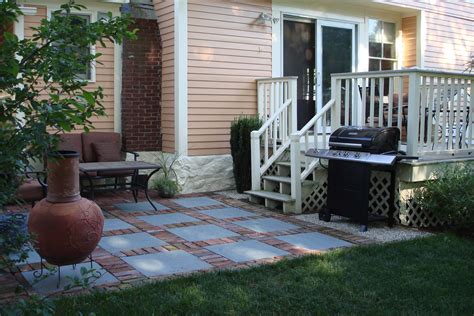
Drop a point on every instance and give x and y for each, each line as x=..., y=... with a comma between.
x=299, y=60
x=336, y=54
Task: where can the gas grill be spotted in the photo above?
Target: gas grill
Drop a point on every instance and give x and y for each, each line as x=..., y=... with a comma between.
x=352, y=155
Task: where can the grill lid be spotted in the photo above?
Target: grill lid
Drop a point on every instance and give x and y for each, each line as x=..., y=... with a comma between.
x=375, y=140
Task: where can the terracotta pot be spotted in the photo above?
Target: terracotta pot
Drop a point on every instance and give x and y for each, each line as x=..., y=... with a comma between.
x=65, y=226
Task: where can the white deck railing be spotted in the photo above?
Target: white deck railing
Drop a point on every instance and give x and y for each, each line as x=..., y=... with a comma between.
x=277, y=110
x=432, y=109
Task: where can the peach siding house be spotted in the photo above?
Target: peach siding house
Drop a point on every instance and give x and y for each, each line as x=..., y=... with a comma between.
x=106, y=75
x=213, y=51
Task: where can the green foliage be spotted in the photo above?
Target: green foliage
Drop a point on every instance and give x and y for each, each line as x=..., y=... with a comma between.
x=240, y=130
x=167, y=182
x=14, y=240
x=40, y=84
x=40, y=91
x=166, y=187
x=450, y=196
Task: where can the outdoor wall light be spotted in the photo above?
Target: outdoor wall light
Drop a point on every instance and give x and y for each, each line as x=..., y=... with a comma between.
x=263, y=17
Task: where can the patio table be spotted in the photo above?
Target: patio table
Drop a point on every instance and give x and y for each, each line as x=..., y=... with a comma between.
x=138, y=181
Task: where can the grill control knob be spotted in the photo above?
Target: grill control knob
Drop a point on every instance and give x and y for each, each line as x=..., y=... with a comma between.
x=346, y=154
x=357, y=155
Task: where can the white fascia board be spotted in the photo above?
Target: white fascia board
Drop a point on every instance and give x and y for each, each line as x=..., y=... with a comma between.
x=181, y=76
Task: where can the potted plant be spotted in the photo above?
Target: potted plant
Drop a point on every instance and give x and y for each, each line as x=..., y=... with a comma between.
x=167, y=182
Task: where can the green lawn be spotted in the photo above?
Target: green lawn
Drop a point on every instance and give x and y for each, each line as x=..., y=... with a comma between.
x=427, y=276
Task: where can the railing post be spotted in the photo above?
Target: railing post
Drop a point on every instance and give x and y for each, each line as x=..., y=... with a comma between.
x=413, y=113
x=336, y=109
x=255, y=159
x=294, y=107
x=295, y=149
x=261, y=93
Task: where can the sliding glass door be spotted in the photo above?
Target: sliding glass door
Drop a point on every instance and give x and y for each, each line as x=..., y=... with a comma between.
x=313, y=50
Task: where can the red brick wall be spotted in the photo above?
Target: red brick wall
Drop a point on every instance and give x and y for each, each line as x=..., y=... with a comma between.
x=141, y=88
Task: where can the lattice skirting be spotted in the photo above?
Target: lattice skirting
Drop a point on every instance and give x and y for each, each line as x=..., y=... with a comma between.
x=407, y=212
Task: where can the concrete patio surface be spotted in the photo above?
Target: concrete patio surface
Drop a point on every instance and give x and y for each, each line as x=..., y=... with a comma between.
x=191, y=233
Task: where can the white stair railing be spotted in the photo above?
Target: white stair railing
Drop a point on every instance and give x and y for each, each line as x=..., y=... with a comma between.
x=277, y=109
x=314, y=134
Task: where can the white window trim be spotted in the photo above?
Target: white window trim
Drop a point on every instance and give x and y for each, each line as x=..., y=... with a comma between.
x=93, y=18
x=398, y=40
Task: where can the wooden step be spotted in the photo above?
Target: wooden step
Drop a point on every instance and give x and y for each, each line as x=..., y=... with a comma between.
x=280, y=179
x=286, y=180
x=271, y=195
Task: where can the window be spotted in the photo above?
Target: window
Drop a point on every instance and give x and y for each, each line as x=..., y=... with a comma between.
x=82, y=53
x=382, y=54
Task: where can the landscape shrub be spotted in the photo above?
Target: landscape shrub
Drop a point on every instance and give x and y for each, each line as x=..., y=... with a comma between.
x=450, y=197
x=240, y=131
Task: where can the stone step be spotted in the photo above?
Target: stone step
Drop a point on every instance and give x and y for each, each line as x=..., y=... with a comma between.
x=285, y=198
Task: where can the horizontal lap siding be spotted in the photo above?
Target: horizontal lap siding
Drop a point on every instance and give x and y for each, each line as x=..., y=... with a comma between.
x=449, y=29
x=227, y=51
x=104, y=73
x=164, y=11
x=409, y=41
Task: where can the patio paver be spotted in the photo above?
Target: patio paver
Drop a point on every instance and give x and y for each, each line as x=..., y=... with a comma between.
x=227, y=212
x=196, y=202
x=33, y=257
x=126, y=242
x=164, y=263
x=314, y=241
x=140, y=207
x=192, y=233
x=115, y=224
x=243, y=251
x=265, y=225
x=202, y=232
x=166, y=219
x=49, y=283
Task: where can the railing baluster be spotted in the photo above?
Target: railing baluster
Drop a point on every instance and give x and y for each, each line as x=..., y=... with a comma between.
x=323, y=123
x=381, y=97
x=390, y=102
x=363, y=119
x=444, y=124
x=464, y=117
x=421, y=141
x=451, y=114
x=438, y=104
x=457, y=113
x=372, y=102
x=346, y=103
x=265, y=146
x=470, y=123
x=429, y=115
x=400, y=107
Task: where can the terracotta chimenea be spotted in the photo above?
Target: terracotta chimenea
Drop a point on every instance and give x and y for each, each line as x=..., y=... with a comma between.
x=66, y=227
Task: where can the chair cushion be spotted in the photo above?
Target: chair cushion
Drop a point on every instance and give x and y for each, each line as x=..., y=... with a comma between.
x=71, y=142
x=107, y=151
x=30, y=191
x=88, y=139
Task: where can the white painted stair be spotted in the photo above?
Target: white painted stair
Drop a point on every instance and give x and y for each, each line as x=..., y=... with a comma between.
x=276, y=191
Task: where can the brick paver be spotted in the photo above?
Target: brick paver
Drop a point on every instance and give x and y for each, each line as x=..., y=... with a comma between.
x=142, y=244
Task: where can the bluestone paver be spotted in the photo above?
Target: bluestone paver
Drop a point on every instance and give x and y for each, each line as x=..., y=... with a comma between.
x=126, y=242
x=314, y=241
x=247, y=250
x=166, y=263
